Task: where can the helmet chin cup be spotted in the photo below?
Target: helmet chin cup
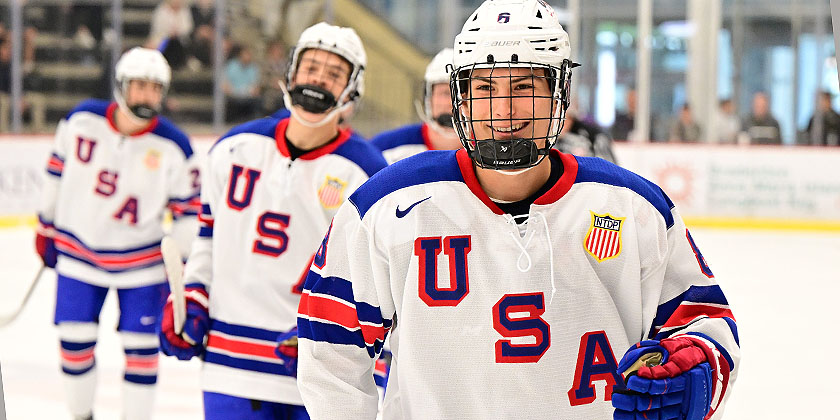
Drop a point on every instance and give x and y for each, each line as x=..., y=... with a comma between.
x=445, y=120
x=143, y=111
x=311, y=98
x=506, y=154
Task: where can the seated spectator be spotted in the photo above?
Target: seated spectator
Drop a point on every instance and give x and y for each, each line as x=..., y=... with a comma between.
x=273, y=73
x=204, y=21
x=242, y=86
x=172, y=25
x=622, y=128
x=684, y=129
x=824, y=126
x=728, y=123
x=760, y=126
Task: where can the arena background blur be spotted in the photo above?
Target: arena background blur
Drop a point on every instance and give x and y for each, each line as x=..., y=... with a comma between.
x=729, y=105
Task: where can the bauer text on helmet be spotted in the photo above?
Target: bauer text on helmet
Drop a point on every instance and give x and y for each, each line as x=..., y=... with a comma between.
x=326, y=71
x=510, y=83
x=143, y=78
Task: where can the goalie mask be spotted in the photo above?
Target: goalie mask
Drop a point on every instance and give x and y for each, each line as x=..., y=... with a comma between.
x=315, y=99
x=141, y=64
x=510, y=83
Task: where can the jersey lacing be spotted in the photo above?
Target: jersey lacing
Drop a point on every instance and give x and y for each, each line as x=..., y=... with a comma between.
x=523, y=248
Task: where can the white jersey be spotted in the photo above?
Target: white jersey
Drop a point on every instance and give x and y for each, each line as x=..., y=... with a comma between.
x=263, y=216
x=402, y=142
x=484, y=322
x=106, y=195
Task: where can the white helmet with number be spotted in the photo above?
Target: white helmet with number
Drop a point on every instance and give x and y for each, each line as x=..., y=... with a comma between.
x=141, y=64
x=503, y=34
x=341, y=41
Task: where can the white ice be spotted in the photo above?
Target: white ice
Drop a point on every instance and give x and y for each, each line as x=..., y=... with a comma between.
x=782, y=287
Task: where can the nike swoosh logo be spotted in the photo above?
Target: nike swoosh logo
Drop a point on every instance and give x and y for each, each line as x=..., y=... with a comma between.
x=402, y=213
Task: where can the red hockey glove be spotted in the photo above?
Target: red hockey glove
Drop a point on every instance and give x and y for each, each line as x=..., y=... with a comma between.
x=191, y=341
x=45, y=244
x=682, y=387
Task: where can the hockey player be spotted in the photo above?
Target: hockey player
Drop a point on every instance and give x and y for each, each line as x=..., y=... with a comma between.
x=271, y=188
x=508, y=275
x=436, y=131
x=114, y=171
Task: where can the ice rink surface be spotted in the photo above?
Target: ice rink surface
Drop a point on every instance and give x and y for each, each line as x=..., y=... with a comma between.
x=782, y=287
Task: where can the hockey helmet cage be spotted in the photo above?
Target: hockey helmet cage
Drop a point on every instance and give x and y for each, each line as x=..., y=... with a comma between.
x=504, y=34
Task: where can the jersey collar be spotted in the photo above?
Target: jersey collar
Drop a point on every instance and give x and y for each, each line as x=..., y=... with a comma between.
x=424, y=133
x=570, y=169
x=109, y=115
x=280, y=139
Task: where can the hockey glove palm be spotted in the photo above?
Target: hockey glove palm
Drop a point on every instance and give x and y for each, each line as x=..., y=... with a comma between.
x=190, y=343
x=45, y=245
x=287, y=350
x=679, y=388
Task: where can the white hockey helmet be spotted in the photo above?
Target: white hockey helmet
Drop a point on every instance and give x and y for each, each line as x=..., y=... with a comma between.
x=341, y=41
x=437, y=72
x=506, y=34
x=141, y=64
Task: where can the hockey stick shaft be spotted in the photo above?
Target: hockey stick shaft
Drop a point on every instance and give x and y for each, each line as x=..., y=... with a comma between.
x=175, y=275
x=11, y=317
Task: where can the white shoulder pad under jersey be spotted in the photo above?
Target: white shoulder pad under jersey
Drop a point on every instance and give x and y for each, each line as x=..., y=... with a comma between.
x=485, y=322
x=106, y=195
x=263, y=216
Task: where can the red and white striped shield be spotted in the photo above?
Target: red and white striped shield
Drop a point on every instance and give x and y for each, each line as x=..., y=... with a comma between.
x=331, y=192
x=603, y=241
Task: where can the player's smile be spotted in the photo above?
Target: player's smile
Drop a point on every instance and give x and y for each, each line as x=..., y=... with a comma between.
x=508, y=131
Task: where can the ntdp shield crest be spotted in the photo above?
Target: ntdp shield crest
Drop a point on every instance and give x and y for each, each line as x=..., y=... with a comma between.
x=331, y=192
x=603, y=241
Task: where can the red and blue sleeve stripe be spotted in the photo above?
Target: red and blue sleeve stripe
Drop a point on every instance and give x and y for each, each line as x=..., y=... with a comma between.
x=110, y=260
x=329, y=313
x=696, y=303
x=244, y=347
x=55, y=166
x=205, y=222
x=180, y=207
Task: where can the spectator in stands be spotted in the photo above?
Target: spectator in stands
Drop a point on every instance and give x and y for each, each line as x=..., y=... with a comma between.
x=204, y=21
x=728, y=123
x=172, y=25
x=273, y=73
x=685, y=129
x=824, y=126
x=760, y=126
x=625, y=121
x=583, y=138
x=242, y=86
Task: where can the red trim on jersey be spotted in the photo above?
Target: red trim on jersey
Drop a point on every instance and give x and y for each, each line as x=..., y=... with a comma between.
x=688, y=312
x=233, y=345
x=468, y=172
x=564, y=184
x=280, y=138
x=109, y=115
x=55, y=164
x=120, y=261
x=424, y=133
x=341, y=314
